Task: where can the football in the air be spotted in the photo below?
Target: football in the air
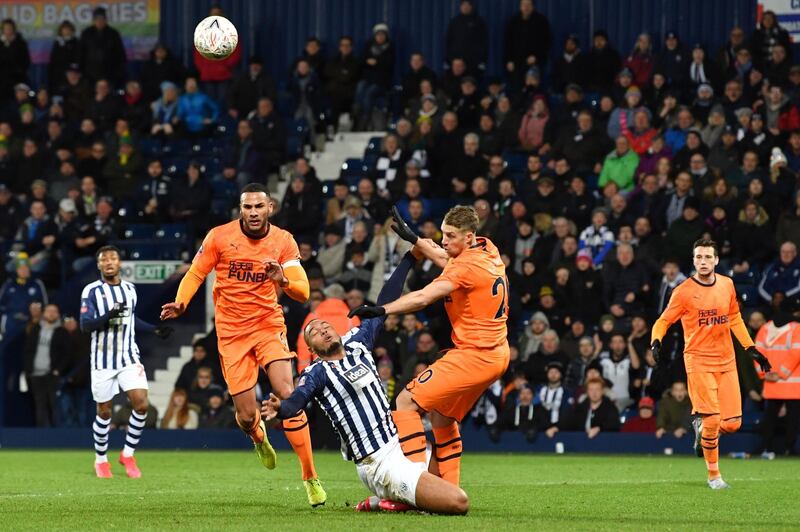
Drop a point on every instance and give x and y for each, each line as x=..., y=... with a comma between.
x=215, y=38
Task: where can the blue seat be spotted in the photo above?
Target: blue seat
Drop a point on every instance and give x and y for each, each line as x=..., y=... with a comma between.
x=353, y=169
x=180, y=147
x=516, y=162
x=140, y=231
x=223, y=189
x=151, y=147
x=373, y=146
x=172, y=231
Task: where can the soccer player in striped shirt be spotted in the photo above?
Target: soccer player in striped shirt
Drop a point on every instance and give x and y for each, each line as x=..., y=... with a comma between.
x=345, y=383
x=709, y=312
x=108, y=311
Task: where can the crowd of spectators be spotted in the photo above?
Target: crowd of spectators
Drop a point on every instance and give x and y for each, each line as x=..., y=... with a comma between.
x=592, y=169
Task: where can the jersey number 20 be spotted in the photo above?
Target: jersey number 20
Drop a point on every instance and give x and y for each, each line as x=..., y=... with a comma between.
x=499, y=283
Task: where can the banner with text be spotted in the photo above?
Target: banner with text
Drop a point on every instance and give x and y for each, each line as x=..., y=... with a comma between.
x=37, y=21
x=149, y=271
x=787, y=13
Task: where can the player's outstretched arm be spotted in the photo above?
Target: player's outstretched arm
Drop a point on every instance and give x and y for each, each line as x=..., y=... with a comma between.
x=204, y=261
x=410, y=302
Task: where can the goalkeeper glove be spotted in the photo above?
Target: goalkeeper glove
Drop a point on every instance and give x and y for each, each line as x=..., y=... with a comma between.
x=766, y=367
x=655, y=347
x=366, y=312
x=163, y=331
x=402, y=229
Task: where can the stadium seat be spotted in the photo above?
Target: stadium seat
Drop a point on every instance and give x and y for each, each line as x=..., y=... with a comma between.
x=516, y=162
x=353, y=168
x=172, y=231
x=140, y=231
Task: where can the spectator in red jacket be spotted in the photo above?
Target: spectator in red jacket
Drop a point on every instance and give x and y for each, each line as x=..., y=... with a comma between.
x=215, y=76
x=641, y=61
x=645, y=421
x=781, y=114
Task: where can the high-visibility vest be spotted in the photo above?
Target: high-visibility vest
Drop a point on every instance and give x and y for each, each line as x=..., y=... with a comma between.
x=783, y=353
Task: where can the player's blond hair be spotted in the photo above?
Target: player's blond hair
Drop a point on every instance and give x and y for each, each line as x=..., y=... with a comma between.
x=462, y=217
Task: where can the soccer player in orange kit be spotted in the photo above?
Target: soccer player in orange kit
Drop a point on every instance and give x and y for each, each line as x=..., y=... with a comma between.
x=250, y=257
x=709, y=312
x=475, y=290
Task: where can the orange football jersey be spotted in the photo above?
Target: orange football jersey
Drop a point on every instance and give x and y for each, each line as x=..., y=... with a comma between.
x=244, y=297
x=478, y=307
x=708, y=314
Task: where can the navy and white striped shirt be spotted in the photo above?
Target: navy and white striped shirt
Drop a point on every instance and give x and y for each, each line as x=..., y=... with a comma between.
x=113, y=340
x=349, y=390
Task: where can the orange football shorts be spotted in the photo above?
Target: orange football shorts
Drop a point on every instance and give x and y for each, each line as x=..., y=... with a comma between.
x=242, y=355
x=454, y=383
x=715, y=392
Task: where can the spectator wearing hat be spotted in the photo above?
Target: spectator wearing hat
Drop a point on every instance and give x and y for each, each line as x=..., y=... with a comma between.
x=216, y=74
x=672, y=60
x=528, y=39
x=595, y=414
x=467, y=37
x=165, y=110
x=65, y=51
x=620, y=166
x=16, y=296
x=161, y=66
x=752, y=238
x=645, y=422
x=711, y=133
x=683, y=232
x=704, y=100
x=75, y=91
x=14, y=57
x=300, y=209
x=623, y=117
x=783, y=180
x=305, y=88
x=582, y=145
x=216, y=414
x=674, y=411
x=269, y=135
x=532, y=336
x=565, y=113
x=376, y=74
x=243, y=94
x=572, y=66
x=102, y=52
x=122, y=170
x=153, y=194
x=604, y=62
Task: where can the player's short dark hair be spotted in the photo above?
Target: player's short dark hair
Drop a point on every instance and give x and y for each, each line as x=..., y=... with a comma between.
x=706, y=243
x=103, y=249
x=256, y=187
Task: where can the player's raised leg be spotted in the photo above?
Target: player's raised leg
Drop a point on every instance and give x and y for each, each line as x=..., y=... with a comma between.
x=249, y=420
x=296, y=431
x=139, y=404
x=100, y=428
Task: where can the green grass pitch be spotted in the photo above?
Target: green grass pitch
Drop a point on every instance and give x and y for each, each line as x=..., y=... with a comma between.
x=215, y=490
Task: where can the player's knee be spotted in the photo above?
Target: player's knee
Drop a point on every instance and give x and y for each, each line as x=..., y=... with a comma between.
x=730, y=425
x=461, y=503
x=104, y=411
x=141, y=405
x=405, y=401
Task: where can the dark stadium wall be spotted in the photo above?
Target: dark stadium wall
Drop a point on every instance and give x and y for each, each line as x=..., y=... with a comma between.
x=277, y=29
